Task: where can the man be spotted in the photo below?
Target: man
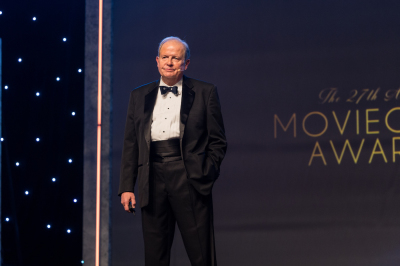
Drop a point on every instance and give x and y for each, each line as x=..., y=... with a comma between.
x=173, y=146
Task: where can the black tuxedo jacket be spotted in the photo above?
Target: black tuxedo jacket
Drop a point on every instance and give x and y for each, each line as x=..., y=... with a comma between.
x=202, y=137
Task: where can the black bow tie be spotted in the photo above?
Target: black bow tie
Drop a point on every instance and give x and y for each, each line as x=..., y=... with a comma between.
x=165, y=89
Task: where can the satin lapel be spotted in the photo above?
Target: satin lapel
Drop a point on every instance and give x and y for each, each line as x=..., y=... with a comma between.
x=187, y=101
x=149, y=102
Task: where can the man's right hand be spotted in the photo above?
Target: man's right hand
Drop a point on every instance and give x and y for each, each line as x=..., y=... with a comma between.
x=127, y=197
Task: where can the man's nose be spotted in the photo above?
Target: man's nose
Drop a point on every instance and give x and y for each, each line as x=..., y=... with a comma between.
x=169, y=61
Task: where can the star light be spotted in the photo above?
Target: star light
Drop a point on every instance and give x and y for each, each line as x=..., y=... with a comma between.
x=34, y=18
x=53, y=179
x=20, y=60
x=27, y=192
x=17, y=163
x=68, y=231
x=75, y=200
x=6, y=87
x=82, y=262
x=7, y=219
x=70, y=160
x=37, y=93
x=1, y=12
x=80, y=70
x=64, y=39
x=73, y=113
x=2, y=139
x=58, y=78
x=48, y=226
x=37, y=139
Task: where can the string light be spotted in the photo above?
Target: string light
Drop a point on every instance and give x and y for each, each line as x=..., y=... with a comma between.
x=38, y=139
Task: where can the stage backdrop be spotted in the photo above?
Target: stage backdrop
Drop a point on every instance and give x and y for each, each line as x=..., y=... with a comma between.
x=311, y=104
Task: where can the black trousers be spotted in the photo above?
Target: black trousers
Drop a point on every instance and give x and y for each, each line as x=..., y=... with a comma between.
x=173, y=200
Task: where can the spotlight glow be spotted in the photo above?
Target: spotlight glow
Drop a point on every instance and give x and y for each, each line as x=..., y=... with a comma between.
x=27, y=192
x=75, y=200
x=82, y=262
x=1, y=12
x=17, y=163
x=34, y=18
x=37, y=93
x=73, y=113
x=20, y=60
x=53, y=179
x=7, y=219
x=37, y=139
x=58, y=78
x=48, y=226
x=64, y=39
x=6, y=87
x=80, y=70
x=70, y=160
x=68, y=231
x=2, y=139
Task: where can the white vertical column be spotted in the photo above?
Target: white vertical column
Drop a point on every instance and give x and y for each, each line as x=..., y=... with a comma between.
x=97, y=156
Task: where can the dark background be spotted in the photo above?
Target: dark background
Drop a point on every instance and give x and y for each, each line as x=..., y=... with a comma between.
x=25, y=238
x=267, y=58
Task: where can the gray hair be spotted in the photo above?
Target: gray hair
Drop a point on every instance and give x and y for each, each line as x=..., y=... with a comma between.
x=187, y=51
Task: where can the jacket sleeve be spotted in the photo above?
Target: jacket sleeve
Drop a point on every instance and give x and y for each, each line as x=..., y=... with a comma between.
x=217, y=143
x=129, y=160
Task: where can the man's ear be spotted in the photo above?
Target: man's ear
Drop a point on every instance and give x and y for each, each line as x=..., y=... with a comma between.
x=157, y=60
x=187, y=63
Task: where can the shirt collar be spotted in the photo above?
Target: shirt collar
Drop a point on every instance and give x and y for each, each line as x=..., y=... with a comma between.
x=178, y=84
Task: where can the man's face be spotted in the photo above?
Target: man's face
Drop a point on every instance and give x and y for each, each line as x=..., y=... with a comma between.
x=171, y=62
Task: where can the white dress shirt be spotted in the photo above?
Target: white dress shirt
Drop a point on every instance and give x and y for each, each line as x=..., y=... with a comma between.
x=166, y=114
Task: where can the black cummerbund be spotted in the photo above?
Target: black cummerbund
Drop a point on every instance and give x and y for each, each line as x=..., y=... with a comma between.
x=165, y=151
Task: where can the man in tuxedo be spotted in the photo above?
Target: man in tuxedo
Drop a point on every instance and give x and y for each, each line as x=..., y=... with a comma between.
x=174, y=144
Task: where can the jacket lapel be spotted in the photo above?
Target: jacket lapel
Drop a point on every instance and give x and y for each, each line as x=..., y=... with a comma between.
x=187, y=101
x=149, y=102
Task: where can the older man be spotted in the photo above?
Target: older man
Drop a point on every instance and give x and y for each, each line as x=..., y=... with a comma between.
x=173, y=146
